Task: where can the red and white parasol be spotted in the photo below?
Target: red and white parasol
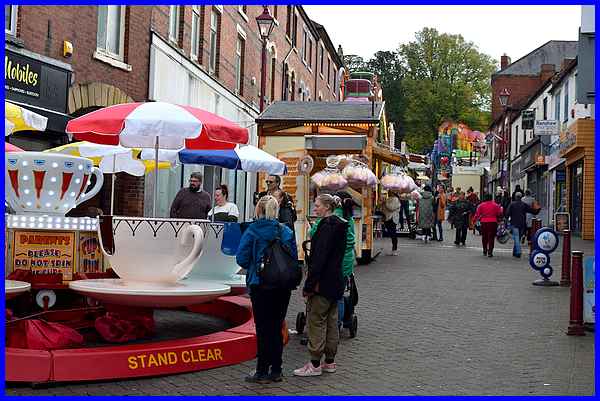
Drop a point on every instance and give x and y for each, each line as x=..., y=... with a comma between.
x=157, y=125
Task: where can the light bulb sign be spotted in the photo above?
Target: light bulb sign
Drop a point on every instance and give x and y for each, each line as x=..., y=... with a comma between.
x=545, y=241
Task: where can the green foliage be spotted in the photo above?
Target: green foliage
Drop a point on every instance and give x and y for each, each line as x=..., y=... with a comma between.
x=437, y=76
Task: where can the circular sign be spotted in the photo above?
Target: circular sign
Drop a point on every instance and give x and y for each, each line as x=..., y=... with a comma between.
x=545, y=239
x=547, y=271
x=539, y=260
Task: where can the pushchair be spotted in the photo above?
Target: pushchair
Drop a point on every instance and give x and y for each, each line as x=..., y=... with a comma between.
x=346, y=316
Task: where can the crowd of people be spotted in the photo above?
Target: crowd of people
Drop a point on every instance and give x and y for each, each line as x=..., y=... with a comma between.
x=465, y=212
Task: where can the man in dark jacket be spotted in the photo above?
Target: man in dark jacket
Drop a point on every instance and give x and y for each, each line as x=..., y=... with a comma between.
x=516, y=214
x=460, y=212
x=191, y=202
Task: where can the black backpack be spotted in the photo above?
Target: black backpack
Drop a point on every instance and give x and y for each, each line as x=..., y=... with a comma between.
x=278, y=268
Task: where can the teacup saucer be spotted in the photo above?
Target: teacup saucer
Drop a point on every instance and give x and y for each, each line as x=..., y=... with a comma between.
x=152, y=295
x=13, y=288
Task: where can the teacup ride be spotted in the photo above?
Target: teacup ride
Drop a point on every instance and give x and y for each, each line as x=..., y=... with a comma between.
x=14, y=288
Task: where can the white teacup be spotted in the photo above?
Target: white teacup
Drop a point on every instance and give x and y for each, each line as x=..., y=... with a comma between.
x=151, y=250
x=48, y=183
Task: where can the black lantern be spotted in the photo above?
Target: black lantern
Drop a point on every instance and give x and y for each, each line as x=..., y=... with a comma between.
x=504, y=95
x=265, y=23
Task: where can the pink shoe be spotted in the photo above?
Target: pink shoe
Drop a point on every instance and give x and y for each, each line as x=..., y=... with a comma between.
x=328, y=367
x=308, y=370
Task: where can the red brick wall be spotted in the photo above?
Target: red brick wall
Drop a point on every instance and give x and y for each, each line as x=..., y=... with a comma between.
x=521, y=88
x=78, y=25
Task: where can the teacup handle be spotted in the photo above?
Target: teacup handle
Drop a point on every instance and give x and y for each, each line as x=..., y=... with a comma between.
x=185, y=266
x=95, y=189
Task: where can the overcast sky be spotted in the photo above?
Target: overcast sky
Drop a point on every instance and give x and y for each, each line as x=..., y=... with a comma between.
x=515, y=30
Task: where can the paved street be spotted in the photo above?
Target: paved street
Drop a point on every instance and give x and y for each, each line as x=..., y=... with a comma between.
x=435, y=320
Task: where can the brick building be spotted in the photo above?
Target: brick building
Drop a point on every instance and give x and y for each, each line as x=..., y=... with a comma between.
x=206, y=56
x=522, y=79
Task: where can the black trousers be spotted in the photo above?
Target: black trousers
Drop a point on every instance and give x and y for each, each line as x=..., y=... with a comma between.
x=390, y=227
x=461, y=233
x=404, y=213
x=269, y=308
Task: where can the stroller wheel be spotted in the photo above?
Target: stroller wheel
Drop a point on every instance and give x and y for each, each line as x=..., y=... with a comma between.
x=354, y=327
x=300, y=322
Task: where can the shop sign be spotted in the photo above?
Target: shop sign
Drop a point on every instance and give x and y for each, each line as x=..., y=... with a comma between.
x=22, y=75
x=540, y=160
x=546, y=127
x=90, y=254
x=567, y=141
x=44, y=252
x=589, y=302
x=33, y=82
x=561, y=222
x=527, y=119
x=477, y=170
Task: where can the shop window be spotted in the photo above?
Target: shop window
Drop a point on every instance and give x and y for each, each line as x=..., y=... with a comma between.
x=174, y=15
x=111, y=31
x=215, y=34
x=195, y=49
x=239, y=65
x=10, y=19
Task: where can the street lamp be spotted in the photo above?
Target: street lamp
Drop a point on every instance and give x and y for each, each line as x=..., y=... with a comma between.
x=504, y=96
x=266, y=23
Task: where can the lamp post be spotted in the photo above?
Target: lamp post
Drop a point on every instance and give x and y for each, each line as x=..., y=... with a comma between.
x=504, y=96
x=266, y=23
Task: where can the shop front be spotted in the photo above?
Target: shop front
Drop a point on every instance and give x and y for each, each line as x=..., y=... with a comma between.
x=533, y=164
x=556, y=182
x=40, y=84
x=577, y=148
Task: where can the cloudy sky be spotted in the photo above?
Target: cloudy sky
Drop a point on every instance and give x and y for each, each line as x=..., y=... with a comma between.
x=515, y=30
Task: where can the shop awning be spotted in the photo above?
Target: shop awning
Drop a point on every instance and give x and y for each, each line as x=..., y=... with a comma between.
x=388, y=156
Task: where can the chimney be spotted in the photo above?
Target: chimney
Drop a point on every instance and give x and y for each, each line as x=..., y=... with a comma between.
x=547, y=71
x=504, y=61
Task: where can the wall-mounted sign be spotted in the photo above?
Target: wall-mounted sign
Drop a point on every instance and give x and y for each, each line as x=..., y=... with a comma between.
x=540, y=160
x=561, y=222
x=90, y=254
x=546, y=127
x=22, y=75
x=527, y=119
x=567, y=141
x=45, y=252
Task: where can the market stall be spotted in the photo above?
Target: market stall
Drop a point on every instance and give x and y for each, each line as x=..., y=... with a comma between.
x=305, y=135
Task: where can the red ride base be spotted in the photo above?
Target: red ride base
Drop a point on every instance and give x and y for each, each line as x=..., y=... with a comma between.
x=228, y=347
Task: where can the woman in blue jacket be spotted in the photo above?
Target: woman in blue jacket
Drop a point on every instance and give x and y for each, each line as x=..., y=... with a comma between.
x=269, y=305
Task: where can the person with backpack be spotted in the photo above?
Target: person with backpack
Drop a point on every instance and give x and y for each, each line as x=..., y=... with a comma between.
x=269, y=305
x=324, y=287
x=287, y=213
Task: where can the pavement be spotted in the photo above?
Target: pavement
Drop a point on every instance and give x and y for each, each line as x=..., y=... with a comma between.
x=434, y=320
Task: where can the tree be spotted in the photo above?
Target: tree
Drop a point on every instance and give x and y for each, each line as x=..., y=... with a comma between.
x=354, y=63
x=445, y=77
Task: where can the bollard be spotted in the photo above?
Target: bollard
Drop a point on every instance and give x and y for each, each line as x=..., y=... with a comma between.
x=576, y=318
x=536, y=224
x=565, y=279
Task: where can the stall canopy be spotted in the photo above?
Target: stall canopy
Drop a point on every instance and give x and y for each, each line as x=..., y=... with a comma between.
x=326, y=113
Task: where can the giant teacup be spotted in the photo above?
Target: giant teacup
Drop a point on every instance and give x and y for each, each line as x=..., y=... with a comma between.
x=151, y=250
x=48, y=183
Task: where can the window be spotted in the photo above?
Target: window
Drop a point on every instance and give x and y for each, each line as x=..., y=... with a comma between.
x=304, y=45
x=10, y=19
x=239, y=65
x=275, y=12
x=288, y=22
x=322, y=59
x=195, y=50
x=557, y=106
x=310, y=53
x=566, y=104
x=545, y=117
x=295, y=30
x=111, y=31
x=215, y=25
x=174, y=12
x=328, y=71
x=273, y=65
x=243, y=10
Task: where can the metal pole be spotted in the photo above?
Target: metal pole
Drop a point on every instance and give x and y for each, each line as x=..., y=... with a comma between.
x=263, y=74
x=576, y=315
x=155, y=178
x=213, y=195
x=565, y=279
x=112, y=189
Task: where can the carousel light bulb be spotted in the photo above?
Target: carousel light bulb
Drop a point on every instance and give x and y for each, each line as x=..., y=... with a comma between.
x=57, y=226
x=82, y=227
x=72, y=194
x=40, y=225
x=49, y=219
x=25, y=178
x=32, y=219
x=80, y=167
x=67, y=220
x=53, y=179
x=54, y=165
x=74, y=221
x=67, y=227
x=89, y=228
x=25, y=163
x=23, y=218
x=77, y=180
x=51, y=193
x=31, y=225
x=26, y=191
x=23, y=225
x=49, y=226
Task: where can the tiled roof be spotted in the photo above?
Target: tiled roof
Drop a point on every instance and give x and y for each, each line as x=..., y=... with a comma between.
x=322, y=112
x=552, y=52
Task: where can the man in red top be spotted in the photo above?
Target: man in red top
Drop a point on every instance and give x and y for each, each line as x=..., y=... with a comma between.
x=488, y=212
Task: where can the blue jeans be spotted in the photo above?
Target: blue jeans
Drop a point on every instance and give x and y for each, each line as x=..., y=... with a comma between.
x=516, y=235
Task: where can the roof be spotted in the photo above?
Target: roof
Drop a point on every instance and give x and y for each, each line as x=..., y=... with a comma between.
x=350, y=112
x=552, y=52
x=556, y=81
x=328, y=43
